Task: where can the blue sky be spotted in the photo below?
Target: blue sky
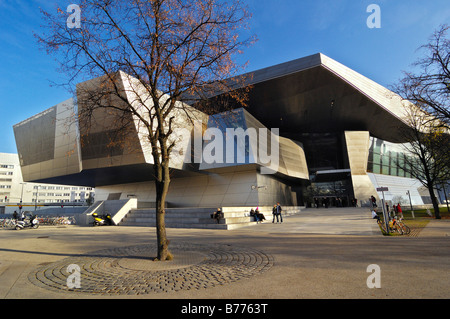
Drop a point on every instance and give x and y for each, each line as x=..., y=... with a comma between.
x=286, y=29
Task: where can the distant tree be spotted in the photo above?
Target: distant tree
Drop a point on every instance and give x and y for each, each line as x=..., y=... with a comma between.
x=171, y=49
x=427, y=152
x=429, y=86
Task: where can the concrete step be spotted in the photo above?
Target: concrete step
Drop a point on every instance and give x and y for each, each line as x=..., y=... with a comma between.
x=200, y=217
x=197, y=226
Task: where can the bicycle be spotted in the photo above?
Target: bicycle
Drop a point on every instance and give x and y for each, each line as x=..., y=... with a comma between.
x=8, y=223
x=382, y=225
x=405, y=230
x=396, y=225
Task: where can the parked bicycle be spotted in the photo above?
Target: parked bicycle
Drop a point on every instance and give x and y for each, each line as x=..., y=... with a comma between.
x=57, y=220
x=7, y=223
x=401, y=227
x=396, y=225
x=382, y=225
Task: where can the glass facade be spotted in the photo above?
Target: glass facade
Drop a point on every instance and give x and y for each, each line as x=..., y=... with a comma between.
x=324, y=151
x=386, y=158
x=330, y=178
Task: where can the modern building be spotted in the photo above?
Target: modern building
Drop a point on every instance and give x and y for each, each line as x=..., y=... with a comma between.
x=15, y=194
x=335, y=134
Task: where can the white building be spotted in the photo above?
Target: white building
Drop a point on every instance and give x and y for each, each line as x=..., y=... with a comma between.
x=15, y=192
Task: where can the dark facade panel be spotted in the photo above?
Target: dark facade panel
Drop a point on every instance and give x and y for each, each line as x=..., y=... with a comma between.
x=99, y=144
x=35, y=138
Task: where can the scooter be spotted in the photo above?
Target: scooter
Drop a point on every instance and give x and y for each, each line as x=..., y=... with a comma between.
x=32, y=223
x=104, y=220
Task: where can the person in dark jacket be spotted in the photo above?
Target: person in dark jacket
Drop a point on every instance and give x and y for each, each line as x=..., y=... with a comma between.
x=277, y=213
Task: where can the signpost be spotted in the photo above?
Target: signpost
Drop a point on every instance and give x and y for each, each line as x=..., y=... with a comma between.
x=383, y=202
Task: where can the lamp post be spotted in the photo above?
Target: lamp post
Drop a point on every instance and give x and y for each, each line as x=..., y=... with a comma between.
x=21, y=198
x=410, y=204
x=35, y=200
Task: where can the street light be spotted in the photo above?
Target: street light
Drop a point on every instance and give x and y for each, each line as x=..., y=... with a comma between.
x=21, y=197
x=35, y=200
x=410, y=204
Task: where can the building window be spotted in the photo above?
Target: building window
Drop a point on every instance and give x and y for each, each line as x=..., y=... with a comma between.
x=386, y=158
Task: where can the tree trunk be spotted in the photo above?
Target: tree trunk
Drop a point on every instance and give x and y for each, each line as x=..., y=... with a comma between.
x=162, y=187
x=435, y=206
x=434, y=201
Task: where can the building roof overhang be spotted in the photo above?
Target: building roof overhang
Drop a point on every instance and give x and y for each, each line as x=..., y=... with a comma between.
x=317, y=94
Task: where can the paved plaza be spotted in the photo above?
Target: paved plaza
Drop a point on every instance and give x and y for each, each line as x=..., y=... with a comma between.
x=319, y=253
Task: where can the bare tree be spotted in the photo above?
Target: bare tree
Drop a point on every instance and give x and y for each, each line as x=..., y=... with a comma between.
x=429, y=89
x=166, y=50
x=427, y=152
x=429, y=86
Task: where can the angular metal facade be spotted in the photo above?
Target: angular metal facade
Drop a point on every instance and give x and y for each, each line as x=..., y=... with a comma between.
x=321, y=113
x=48, y=143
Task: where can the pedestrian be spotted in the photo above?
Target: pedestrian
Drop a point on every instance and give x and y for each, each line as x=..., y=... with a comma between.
x=277, y=213
x=399, y=211
x=388, y=212
x=316, y=202
x=374, y=201
x=15, y=215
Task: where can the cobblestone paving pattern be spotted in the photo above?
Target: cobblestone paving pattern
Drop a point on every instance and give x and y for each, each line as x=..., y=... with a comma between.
x=131, y=270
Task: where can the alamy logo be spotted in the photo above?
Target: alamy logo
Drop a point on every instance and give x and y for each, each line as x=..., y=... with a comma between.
x=374, y=20
x=74, y=279
x=374, y=279
x=231, y=146
x=74, y=19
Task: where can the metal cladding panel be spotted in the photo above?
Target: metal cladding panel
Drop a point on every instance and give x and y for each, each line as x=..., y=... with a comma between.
x=108, y=136
x=35, y=137
x=48, y=143
x=284, y=157
x=358, y=151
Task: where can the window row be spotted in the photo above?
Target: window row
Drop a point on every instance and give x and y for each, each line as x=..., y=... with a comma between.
x=55, y=201
x=390, y=163
x=62, y=188
x=59, y=194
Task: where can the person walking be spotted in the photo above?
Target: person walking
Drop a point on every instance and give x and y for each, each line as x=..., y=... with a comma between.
x=277, y=213
x=274, y=212
x=374, y=201
x=399, y=211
